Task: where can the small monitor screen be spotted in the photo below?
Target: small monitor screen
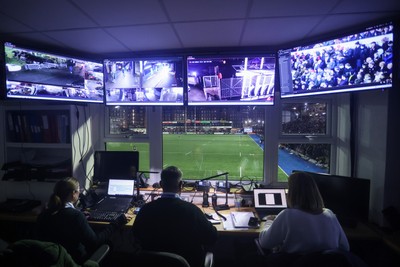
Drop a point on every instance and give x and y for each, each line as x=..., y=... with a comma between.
x=115, y=165
x=231, y=80
x=144, y=82
x=360, y=61
x=270, y=198
x=32, y=74
x=121, y=187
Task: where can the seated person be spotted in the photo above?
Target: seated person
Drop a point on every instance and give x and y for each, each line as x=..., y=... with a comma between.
x=306, y=226
x=63, y=224
x=173, y=225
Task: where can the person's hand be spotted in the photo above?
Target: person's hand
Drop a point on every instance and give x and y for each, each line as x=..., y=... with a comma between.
x=86, y=213
x=128, y=217
x=122, y=219
x=270, y=217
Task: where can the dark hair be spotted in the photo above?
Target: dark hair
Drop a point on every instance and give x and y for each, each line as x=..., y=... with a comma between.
x=61, y=192
x=171, y=178
x=304, y=194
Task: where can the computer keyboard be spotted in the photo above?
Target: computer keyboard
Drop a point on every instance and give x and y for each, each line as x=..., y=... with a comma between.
x=104, y=216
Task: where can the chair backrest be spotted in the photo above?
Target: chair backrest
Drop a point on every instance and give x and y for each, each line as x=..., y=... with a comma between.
x=322, y=258
x=329, y=258
x=28, y=253
x=37, y=253
x=159, y=258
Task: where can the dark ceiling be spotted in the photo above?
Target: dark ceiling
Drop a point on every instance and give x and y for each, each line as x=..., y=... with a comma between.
x=112, y=27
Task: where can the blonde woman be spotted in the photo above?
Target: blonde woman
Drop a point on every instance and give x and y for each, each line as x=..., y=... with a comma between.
x=62, y=223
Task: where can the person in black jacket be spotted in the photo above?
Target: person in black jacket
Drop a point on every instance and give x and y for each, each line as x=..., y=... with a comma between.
x=63, y=224
x=173, y=225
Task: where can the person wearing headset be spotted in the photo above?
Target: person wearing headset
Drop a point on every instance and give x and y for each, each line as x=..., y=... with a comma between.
x=171, y=224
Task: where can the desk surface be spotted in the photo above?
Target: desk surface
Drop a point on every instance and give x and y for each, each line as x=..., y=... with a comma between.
x=361, y=232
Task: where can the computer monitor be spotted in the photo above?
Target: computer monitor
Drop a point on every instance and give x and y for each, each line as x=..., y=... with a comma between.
x=144, y=81
x=357, y=61
x=347, y=197
x=231, y=79
x=115, y=165
x=38, y=75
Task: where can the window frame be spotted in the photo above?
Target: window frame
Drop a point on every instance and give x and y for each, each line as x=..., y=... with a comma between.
x=272, y=126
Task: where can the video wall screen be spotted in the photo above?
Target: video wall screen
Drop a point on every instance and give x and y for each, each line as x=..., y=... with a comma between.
x=231, y=80
x=144, y=81
x=360, y=61
x=32, y=74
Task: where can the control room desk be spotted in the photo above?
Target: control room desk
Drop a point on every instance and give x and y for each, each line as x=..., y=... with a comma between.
x=25, y=220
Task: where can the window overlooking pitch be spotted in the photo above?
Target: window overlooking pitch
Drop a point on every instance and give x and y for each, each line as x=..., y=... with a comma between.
x=304, y=118
x=305, y=157
x=211, y=140
x=126, y=121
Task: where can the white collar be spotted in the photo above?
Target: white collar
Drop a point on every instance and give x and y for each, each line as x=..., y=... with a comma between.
x=69, y=205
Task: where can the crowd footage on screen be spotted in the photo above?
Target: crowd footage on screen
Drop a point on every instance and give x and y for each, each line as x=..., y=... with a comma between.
x=354, y=60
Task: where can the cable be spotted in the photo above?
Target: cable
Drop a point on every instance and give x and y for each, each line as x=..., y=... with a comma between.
x=215, y=208
x=195, y=192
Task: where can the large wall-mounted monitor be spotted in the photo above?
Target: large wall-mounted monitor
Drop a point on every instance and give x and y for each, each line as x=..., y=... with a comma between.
x=152, y=81
x=231, y=80
x=32, y=74
x=355, y=62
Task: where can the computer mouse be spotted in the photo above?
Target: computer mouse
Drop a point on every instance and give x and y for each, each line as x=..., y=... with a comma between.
x=253, y=222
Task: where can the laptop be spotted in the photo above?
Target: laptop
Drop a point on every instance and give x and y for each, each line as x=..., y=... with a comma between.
x=269, y=201
x=119, y=196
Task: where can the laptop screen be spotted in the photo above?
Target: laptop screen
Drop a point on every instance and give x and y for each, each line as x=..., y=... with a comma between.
x=270, y=198
x=120, y=187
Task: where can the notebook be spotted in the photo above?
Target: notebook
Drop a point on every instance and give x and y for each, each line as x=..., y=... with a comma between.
x=119, y=196
x=269, y=201
x=241, y=219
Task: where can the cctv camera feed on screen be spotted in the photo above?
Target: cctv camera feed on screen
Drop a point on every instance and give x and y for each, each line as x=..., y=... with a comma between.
x=361, y=61
x=231, y=80
x=32, y=74
x=144, y=82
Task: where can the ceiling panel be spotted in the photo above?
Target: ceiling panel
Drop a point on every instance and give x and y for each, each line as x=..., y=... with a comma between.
x=367, y=6
x=150, y=37
x=122, y=12
x=46, y=14
x=120, y=26
x=9, y=25
x=298, y=8
x=277, y=31
x=179, y=10
x=210, y=34
x=90, y=41
x=36, y=38
x=331, y=23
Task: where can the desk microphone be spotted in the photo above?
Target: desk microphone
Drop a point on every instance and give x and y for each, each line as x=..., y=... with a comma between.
x=214, y=199
x=214, y=205
x=205, y=200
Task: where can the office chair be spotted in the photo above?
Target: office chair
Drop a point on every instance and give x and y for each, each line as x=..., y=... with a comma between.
x=326, y=258
x=167, y=259
x=158, y=258
x=35, y=253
